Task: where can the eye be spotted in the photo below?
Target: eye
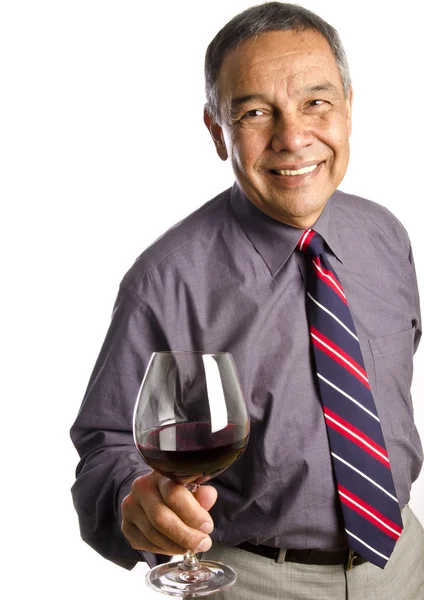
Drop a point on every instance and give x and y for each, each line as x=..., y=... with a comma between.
x=317, y=102
x=317, y=107
x=255, y=112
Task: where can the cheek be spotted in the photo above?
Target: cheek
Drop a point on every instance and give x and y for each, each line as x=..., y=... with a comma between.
x=248, y=147
x=336, y=135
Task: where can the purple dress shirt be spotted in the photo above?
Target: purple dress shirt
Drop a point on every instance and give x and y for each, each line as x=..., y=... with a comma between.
x=227, y=278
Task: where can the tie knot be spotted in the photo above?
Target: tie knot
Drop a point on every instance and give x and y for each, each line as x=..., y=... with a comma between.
x=311, y=244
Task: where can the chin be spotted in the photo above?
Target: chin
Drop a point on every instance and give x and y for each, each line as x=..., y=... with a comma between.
x=299, y=207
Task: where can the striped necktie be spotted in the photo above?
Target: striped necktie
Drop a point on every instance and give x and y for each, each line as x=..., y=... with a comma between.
x=361, y=465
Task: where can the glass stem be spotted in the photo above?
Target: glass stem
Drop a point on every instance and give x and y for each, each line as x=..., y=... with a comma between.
x=190, y=562
x=192, y=487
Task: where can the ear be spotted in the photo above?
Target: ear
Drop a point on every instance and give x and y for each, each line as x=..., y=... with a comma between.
x=349, y=101
x=216, y=133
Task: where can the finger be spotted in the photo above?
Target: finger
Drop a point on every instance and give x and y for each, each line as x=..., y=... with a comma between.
x=185, y=505
x=142, y=535
x=139, y=542
x=206, y=496
x=146, y=494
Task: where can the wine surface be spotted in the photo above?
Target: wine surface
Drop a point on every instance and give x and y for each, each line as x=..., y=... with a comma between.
x=190, y=452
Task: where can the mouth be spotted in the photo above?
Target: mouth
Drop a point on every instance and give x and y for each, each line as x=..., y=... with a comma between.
x=294, y=172
x=296, y=176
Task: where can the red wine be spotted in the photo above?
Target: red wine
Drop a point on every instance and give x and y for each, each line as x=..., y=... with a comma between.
x=190, y=452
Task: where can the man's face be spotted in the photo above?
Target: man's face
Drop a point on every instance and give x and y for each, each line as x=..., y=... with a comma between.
x=285, y=123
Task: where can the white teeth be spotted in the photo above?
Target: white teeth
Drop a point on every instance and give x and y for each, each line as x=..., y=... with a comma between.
x=298, y=172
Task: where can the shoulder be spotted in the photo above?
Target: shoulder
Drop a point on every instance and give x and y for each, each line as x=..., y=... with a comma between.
x=182, y=238
x=373, y=218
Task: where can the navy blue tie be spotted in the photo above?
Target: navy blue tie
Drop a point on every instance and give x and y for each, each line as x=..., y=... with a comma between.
x=361, y=465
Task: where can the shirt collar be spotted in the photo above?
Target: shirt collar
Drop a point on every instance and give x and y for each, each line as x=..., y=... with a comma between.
x=275, y=241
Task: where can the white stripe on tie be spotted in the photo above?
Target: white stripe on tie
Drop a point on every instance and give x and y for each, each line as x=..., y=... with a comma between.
x=333, y=281
x=369, y=547
x=305, y=235
x=334, y=317
x=369, y=512
x=349, y=397
x=341, y=357
x=357, y=437
x=365, y=476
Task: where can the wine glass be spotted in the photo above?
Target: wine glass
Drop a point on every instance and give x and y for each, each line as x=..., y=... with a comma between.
x=190, y=424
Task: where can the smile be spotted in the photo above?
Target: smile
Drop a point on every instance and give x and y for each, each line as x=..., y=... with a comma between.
x=291, y=172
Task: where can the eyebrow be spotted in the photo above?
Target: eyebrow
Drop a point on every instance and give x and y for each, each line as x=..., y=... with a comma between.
x=321, y=87
x=311, y=89
x=240, y=100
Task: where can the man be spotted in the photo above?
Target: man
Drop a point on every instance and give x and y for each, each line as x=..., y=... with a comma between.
x=234, y=276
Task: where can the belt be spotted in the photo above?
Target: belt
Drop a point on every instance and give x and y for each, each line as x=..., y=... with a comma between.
x=309, y=557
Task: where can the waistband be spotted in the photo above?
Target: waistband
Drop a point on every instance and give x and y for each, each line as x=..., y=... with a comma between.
x=345, y=556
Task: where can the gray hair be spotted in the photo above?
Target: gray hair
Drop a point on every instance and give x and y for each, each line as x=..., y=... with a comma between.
x=271, y=16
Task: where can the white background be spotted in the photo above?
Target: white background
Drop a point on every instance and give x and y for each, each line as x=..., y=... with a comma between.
x=102, y=149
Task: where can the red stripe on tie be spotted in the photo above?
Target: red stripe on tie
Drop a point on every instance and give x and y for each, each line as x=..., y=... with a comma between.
x=356, y=436
x=329, y=278
x=369, y=513
x=339, y=355
x=305, y=239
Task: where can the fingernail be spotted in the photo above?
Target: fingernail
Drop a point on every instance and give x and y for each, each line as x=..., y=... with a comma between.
x=206, y=527
x=204, y=545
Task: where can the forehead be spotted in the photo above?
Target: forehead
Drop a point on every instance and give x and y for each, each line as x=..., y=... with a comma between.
x=276, y=57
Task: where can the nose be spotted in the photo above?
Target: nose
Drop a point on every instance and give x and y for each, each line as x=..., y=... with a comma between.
x=291, y=133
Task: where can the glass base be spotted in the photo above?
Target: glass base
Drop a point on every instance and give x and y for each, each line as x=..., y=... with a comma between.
x=172, y=580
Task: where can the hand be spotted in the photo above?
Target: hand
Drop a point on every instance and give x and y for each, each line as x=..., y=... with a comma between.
x=163, y=517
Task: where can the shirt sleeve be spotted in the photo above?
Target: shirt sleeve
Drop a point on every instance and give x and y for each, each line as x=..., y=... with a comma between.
x=102, y=432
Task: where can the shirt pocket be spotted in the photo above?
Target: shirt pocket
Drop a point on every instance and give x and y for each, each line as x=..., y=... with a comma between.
x=393, y=367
